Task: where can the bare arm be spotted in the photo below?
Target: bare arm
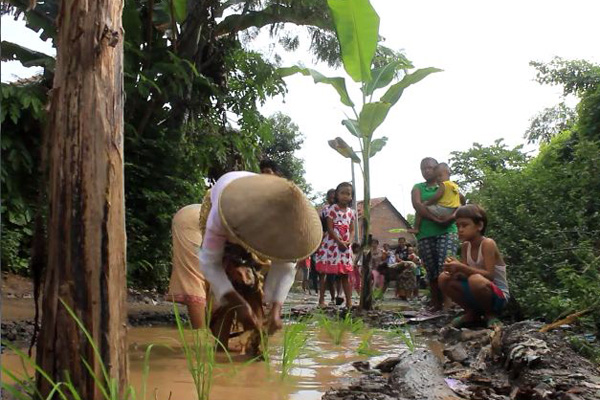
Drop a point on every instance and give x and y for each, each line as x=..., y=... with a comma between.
x=438, y=195
x=351, y=231
x=331, y=231
x=420, y=208
x=489, y=258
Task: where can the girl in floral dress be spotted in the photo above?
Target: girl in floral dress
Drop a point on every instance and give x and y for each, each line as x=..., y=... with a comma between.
x=335, y=253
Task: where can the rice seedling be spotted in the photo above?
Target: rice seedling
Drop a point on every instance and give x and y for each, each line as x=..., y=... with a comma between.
x=24, y=387
x=378, y=294
x=337, y=327
x=406, y=335
x=294, y=339
x=200, y=353
x=364, y=347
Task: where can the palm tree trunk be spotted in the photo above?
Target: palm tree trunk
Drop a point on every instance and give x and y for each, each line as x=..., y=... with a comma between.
x=86, y=225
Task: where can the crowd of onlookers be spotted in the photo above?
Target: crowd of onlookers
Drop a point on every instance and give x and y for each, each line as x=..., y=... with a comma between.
x=445, y=226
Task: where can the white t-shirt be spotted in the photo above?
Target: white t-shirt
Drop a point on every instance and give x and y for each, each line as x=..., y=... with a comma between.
x=281, y=275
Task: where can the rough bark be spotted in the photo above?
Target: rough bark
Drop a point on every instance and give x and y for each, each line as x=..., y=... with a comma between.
x=86, y=231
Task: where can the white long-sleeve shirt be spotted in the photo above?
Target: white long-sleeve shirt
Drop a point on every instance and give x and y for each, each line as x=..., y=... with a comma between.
x=281, y=275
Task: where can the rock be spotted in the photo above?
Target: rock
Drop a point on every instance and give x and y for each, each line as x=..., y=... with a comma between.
x=542, y=390
x=419, y=375
x=388, y=364
x=450, y=333
x=481, y=359
x=456, y=353
x=481, y=335
x=361, y=365
x=372, y=372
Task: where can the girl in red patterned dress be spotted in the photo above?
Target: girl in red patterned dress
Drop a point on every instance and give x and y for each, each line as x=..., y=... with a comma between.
x=335, y=253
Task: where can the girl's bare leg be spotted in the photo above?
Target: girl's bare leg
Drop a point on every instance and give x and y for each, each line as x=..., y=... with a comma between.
x=347, y=290
x=322, y=290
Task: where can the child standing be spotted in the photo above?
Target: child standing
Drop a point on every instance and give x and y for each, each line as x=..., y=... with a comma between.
x=445, y=201
x=335, y=254
x=478, y=281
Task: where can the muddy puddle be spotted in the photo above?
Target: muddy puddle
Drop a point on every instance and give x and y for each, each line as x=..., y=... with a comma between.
x=322, y=365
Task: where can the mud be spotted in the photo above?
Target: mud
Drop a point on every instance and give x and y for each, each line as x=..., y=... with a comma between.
x=513, y=363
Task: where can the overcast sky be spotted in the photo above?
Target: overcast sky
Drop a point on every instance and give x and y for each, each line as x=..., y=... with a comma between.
x=485, y=92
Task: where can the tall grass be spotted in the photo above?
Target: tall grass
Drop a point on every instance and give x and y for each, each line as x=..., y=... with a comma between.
x=294, y=339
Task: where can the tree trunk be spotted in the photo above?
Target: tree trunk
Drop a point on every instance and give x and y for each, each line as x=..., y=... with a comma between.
x=86, y=225
x=366, y=294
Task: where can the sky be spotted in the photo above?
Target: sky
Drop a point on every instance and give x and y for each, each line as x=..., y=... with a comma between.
x=486, y=91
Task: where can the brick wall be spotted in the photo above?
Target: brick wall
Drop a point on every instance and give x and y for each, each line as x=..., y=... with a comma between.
x=384, y=218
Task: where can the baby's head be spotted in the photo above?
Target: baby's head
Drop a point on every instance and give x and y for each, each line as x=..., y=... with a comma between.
x=442, y=172
x=386, y=246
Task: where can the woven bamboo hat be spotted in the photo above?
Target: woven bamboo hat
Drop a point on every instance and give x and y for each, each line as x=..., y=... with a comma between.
x=271, y=217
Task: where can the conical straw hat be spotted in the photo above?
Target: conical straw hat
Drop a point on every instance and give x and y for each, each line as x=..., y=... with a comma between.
x=271, y=217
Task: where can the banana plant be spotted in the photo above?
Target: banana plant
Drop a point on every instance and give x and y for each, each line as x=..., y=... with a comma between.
x=357, y=28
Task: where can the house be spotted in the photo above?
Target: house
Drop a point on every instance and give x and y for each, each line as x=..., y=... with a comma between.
x=385, y=217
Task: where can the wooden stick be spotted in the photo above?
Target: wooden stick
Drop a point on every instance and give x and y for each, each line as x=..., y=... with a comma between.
x=567, y=320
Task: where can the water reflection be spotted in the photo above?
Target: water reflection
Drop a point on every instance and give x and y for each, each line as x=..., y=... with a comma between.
x=324, y=365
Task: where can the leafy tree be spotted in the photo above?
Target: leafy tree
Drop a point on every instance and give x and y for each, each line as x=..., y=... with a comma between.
x=286, y=140
x=577, y=77
x=545, y=211
x=22, y=120
x=549, y=123
x=472, y=167
x=192, y=97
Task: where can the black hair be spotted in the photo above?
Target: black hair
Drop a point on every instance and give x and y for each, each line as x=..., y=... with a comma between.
x=267, y=163
x=474, y=213
x=427, y=159
x=340, y=187
x=409, y=245
x=330, y=191
x=402, y=237
x=354, y=247
x=373, y=240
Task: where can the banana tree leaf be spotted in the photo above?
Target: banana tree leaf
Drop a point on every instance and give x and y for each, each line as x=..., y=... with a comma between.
x=371, y=116
x=382, y=76
x=377, y=145
x=338, y=83
x=180, y=7
x=357, y=28
x=395, y=91
x=352, y=126
x=42, y=17
x=27, y=57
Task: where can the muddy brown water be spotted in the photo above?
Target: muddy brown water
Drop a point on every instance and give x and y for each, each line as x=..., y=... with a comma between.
x=323, y=365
